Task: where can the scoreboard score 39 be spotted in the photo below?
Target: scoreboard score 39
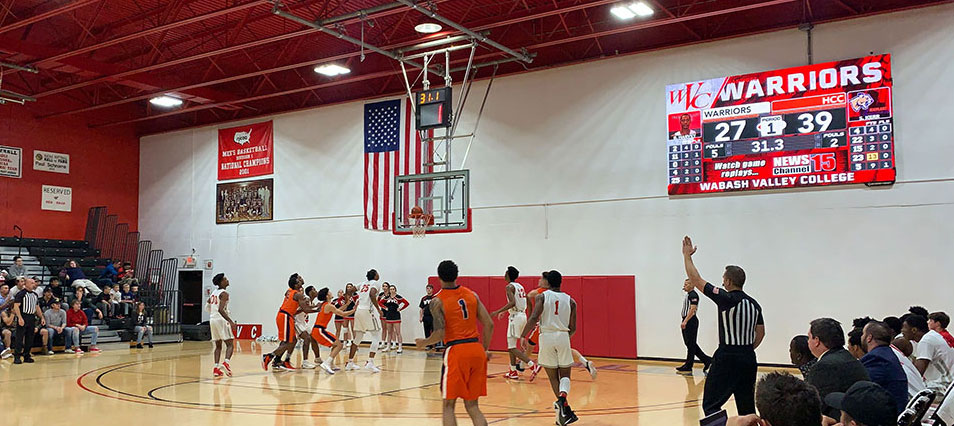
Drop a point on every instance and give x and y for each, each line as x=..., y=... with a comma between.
x=814, y=125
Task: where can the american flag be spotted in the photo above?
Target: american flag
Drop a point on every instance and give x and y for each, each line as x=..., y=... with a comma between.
x=392, y=147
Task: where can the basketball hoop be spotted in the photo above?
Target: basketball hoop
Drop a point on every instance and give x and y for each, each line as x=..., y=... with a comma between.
x=419, y=221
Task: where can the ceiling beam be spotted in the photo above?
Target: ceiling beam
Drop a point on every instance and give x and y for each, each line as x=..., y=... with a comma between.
x=254, y=43
x=331, y=58
x=624, y=29
x=150, y=31
x=46, y=15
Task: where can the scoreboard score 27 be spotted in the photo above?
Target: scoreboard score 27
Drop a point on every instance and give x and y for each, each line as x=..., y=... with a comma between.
x=814, y=125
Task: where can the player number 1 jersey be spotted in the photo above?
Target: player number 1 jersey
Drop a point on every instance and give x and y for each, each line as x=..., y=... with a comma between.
x=556, y=312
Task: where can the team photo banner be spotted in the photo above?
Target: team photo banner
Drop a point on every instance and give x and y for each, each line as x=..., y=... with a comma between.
x=813, y=125
x=246, y=151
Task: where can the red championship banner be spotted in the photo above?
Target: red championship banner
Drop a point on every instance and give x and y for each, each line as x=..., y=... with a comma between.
x=815, y=125
x=246, y=151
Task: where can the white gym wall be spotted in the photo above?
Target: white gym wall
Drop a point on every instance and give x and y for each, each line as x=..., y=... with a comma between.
x=569, y=172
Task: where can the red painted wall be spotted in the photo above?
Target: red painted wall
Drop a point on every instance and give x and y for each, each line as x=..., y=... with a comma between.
x=104, y=171
x=605, y=318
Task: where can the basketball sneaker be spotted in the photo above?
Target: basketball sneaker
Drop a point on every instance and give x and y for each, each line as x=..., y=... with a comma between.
x=351, y=366
x=217, y=372
x=267, y=359
x=328, y=368
x=591, y=368
x=371, y=367
x=512, y=375
x=227, y=368
x=288, y=366
x=277, y=368
x=308, y=365
x=534, y=370
x=565, y=415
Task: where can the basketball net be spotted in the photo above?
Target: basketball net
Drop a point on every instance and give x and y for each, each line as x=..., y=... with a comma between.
x=419, y=226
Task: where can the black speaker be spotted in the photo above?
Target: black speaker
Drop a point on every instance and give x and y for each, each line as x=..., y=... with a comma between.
x=197, y=332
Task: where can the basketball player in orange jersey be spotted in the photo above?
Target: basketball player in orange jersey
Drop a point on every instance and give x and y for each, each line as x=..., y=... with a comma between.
x=535, y=335
x=456, y=311
x=321, y=335
x=293, y=302
x=556, y=313
x=516, y=307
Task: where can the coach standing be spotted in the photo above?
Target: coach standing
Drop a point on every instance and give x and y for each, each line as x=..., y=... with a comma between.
x=741, y=329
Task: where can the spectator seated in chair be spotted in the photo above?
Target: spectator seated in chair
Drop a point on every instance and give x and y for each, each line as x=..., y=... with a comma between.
x=103, y=302
x=134, y=289
x=110, y=274
x=56, y=286
x=140, y=322
x=782, y=400
x=934, y=358
x=801, y=356
x=87, y=305
x=836, y=370
x=128, y=275
x=77, y=325
x=55, y=324
x=4, y=293
x=7, y=328
x=47, y=299
x=127, y=299
x=938, y=321
x=73, y=276
x=17, y=270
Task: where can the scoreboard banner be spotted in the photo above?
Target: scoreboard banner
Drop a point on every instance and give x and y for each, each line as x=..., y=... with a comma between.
x=814, y=125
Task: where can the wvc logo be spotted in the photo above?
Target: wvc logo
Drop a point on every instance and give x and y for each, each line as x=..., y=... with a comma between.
x=243, y=138
x=692, y=96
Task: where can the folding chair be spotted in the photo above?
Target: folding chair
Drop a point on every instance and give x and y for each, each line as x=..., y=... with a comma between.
x=944, y=415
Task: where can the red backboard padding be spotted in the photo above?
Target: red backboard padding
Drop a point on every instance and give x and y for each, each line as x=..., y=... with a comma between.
x=606, y=320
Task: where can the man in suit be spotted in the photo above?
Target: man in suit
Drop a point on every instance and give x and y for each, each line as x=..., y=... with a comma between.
x=836, y=370
x=882, y=365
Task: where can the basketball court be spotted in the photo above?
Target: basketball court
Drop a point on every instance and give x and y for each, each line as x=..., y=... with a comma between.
x=611, y=171
x=171, y=384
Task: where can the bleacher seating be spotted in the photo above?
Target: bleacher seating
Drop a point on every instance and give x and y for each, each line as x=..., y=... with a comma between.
x=105, y=238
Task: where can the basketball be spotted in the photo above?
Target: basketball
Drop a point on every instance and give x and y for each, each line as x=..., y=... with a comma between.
x=416, y=212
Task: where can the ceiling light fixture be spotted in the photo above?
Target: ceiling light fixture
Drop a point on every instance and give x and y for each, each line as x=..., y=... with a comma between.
x=428, y=27
x=165, y=101
x=632, y=10
x=331, y=70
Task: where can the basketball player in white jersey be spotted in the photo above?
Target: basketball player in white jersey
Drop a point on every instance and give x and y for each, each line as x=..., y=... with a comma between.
x=367, y=319
x=220, y=323
x=304, y=329
x=516, y=307
x=556, y=313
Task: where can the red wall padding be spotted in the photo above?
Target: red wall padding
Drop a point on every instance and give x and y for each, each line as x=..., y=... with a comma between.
x=606, y=317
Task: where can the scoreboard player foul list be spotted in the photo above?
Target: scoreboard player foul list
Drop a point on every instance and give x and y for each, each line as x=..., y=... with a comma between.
x=814, y=125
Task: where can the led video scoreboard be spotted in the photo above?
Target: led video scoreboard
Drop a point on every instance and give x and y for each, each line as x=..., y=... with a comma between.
x=814, y=125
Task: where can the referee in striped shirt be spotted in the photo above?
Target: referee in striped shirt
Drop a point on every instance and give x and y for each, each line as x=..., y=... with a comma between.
x=741, y=330
x=26, y=309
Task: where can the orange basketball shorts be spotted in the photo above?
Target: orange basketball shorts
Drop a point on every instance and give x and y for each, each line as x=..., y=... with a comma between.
x=464, y=374
x=323, y=336
x=286, y=327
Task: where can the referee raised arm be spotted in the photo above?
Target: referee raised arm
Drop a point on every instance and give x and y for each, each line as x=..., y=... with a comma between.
x=741, y=330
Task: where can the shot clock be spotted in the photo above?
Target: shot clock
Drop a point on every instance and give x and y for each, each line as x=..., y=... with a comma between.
x=821, y=124
x=433, y=108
